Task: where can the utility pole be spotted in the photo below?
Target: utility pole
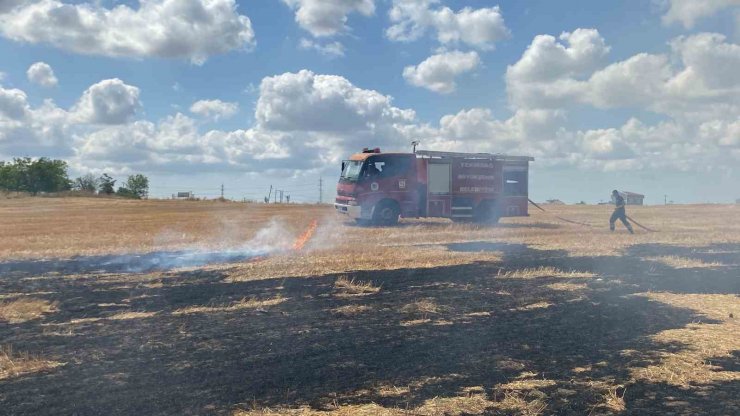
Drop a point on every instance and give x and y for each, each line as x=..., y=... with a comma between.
x=281, y=196
x=222, y=191
x=665, y=199
x=321, y=189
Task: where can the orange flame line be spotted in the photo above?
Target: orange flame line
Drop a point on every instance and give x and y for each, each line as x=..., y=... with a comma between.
x=303, y=238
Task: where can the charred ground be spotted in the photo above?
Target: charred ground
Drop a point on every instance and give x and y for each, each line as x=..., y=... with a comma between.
x=531, y=317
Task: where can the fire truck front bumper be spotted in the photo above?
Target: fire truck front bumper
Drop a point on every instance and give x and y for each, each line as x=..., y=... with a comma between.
x=352, y=211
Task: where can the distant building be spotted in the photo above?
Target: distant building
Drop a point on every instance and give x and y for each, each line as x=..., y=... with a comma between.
x=183, y=195
x=555, y=202
x=632, y=198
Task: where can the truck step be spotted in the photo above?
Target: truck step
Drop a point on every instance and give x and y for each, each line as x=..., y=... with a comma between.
x=462, y=212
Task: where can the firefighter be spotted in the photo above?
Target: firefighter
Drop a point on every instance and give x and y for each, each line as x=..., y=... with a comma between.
x=619, y=213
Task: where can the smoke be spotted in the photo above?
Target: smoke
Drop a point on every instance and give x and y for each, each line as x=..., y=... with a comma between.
x=274, y=238
x=328, y=233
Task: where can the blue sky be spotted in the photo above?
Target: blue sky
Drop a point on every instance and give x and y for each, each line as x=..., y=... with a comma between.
x=672, y=129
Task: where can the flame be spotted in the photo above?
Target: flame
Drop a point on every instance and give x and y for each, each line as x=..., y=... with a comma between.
x=303, y=238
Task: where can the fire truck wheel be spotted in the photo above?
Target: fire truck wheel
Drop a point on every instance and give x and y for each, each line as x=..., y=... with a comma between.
x=385, y=213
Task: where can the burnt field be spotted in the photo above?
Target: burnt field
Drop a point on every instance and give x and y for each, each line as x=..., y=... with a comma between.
x=186, y=307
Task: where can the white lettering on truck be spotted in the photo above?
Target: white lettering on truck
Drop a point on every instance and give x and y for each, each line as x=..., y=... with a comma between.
x=477, y=177
x=477, y=189
x=476, y=165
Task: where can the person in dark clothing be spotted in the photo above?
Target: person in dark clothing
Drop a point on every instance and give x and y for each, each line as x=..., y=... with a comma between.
x=619, y=213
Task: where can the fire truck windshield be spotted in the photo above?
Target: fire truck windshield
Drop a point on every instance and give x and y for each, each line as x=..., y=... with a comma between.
x=351, y=170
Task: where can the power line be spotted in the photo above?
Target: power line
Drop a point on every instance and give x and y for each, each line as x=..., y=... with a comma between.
x=299, y=191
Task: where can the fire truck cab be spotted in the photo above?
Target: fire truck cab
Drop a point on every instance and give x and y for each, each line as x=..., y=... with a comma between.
x=379, y=188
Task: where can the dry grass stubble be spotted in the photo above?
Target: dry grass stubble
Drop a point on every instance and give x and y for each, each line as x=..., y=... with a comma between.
x=704, y=341
x=25, y=309
x=65, y=228
x=345, y=287
x=683, y=262
x=244, y=303
x=13, y=364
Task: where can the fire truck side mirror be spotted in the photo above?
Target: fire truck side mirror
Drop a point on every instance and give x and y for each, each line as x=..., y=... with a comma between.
x=342, y=166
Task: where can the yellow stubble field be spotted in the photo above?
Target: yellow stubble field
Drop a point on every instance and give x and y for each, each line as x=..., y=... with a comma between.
x=532, y=316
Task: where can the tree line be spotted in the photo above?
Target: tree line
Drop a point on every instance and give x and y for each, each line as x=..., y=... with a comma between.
x=44, y=175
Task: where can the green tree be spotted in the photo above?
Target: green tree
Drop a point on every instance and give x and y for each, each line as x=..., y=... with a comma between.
x=6, y=176
x=126, y=193
x=48, y=175
x=14, y=175
x=34, y=176
x=138, y=185
x=86, y=183
x=107, y=185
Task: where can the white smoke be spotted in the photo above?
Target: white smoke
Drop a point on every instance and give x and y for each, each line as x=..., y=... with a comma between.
x=327, y=234
x=274, y=238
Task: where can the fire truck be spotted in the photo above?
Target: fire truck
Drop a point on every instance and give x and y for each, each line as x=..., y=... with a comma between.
x=378, y=188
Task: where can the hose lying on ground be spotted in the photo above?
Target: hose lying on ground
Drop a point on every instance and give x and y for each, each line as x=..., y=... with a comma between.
x=640, y=225
x=560, y=218
x=583, y=223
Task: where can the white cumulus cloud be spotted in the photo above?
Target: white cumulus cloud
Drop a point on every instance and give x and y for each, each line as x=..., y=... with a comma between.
x=479, y=28
x=688, y=12
x=694, y=87
x=710, y=58
x=578, y=52
x=328, y=17
x=438, y=72
x=110, y=101
x=36, y=131
x=305, y=101
x=550, y=70
x=41, y=73
x=13, y=104
x=330, y=49
x=697, y=79
x=215, y=109
x=306, y=121
x=191, y=29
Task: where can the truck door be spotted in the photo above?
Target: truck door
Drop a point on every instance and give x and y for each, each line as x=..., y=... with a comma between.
x=515, y=190
x=439, y=186
x=391, y=176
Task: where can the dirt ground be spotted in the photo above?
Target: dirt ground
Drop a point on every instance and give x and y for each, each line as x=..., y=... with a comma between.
x=187, y=307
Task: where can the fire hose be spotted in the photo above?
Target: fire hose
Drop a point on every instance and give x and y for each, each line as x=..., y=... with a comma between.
x=558, y=217
x=640, y=225
x=583, y=223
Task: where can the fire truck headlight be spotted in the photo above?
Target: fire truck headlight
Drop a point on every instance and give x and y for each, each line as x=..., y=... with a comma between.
x=352, y=202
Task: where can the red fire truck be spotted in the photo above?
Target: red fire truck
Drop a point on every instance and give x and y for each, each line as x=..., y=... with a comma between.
x=377, y=187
